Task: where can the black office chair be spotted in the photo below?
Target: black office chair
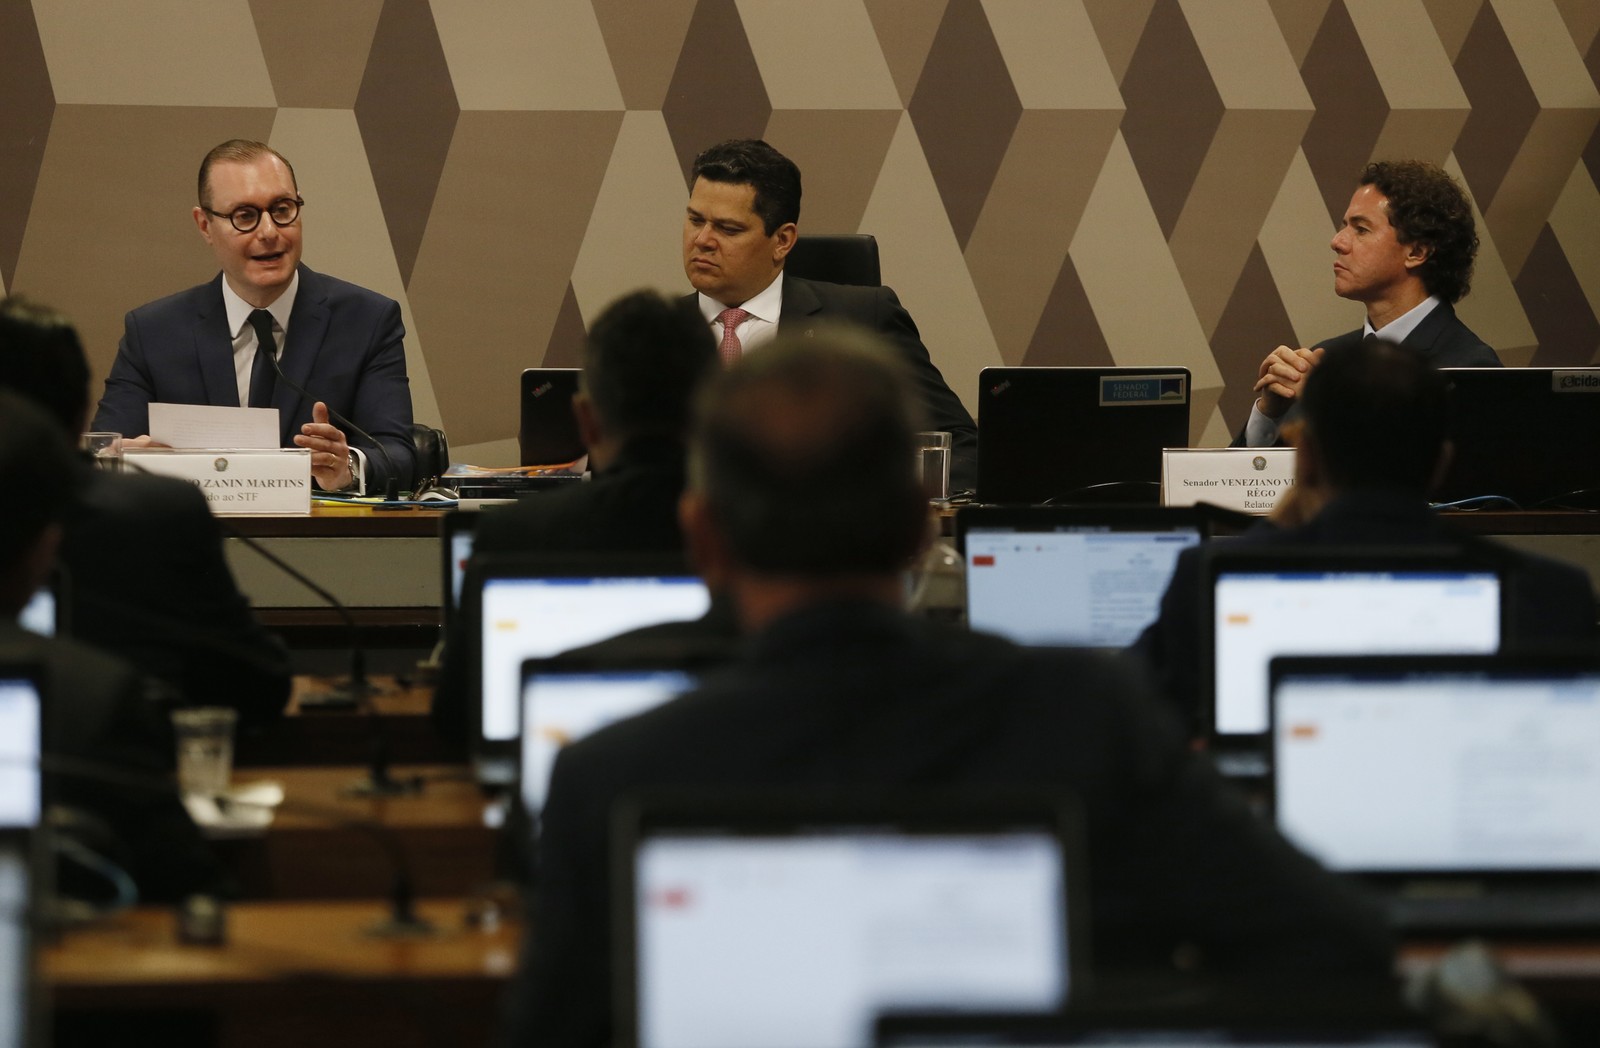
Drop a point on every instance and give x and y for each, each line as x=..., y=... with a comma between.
x=433, y=453
x=838, y=258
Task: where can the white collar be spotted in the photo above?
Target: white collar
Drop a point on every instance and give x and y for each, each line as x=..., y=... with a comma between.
x=765, y=305
x=239, y=310
x=1400, y=328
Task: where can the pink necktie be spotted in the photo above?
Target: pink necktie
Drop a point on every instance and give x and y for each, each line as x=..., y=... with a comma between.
x=731, y=350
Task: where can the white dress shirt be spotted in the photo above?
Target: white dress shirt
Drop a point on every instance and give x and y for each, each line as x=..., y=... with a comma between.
x=760, y=327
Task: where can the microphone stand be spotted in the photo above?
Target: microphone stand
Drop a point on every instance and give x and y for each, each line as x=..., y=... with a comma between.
x=380, y=782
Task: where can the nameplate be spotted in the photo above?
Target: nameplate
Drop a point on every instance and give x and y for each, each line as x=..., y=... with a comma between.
x=1250, y=480
x=237, y=480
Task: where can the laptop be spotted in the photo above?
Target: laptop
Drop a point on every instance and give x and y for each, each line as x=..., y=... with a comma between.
x=548, y=434
x=1526, y=434
x=1149, y=1028
x=1078, y=434
x=1073, y=576
x=527, y=606
x=457, y=531
x=1463, y=789
x=750, y=921
x=1266, y=602
x=567, y=698
x=21, y=807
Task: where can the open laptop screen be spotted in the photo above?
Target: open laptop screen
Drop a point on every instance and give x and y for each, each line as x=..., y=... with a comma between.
x=1077, y=577
x=1332, y=603
x=1447, y=765
x=534, y=616
x=458, y=532
x=562, y=704
x=801, y=936
x=20, y=710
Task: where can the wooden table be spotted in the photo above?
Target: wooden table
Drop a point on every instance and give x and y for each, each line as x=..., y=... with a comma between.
x=291, y=973
x=326, y=844
x=308, y=735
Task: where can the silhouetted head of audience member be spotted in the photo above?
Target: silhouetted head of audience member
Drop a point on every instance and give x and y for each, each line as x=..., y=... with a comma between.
x=645, y=357
x=802, y=466
x=1376, y=417
x=37, y=470
x=42, y=359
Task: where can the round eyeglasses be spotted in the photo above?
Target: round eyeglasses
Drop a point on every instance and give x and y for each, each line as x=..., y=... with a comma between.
x=246, y=217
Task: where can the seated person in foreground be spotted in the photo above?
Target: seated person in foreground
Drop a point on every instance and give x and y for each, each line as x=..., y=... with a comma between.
x=643, y=360
x=146, y=578
x=1372, y=443
x=100, y=713
x=1405, y=251
x=840, y=687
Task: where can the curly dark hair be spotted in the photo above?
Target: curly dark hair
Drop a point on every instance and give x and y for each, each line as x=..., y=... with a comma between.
x=1428, y=207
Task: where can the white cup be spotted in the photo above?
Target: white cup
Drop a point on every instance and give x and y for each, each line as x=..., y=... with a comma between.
x=205, y=749
x=106, y=449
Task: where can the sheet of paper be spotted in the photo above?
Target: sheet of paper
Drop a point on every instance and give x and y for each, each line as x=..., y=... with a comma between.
x=203, y=426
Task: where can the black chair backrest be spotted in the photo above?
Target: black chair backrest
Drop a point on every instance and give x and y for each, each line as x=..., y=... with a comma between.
x=433, y=452
x=838, y=258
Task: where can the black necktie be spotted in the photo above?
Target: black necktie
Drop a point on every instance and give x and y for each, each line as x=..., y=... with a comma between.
x=263, y=379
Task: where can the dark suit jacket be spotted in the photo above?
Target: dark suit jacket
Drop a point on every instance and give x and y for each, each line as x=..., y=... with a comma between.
x=343, y=345
x=1441, y=337
x=1546, y=601
x=100, y=712
x=631, y=506
x=849, y=694
x=879, y=310
x=147, y=580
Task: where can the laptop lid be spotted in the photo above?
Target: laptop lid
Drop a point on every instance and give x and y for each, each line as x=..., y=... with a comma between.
x=21, y=805
x=1080, y=434
x=1525, y=434
x=548, y=434
x=457, y=532
x=751, y=921
x=1264, y=602
x=1150, y=1027
x=527, y=606
x=1439, y=765
x=1075, y=576
x=568, y=698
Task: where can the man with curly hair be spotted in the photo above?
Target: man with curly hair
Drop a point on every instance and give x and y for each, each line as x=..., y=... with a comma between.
x=1404, y=250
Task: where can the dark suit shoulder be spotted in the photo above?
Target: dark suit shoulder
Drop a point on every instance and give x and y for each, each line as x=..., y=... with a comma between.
x=180, y=306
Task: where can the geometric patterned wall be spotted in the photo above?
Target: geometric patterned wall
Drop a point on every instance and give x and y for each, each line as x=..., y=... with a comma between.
x=1050, y=181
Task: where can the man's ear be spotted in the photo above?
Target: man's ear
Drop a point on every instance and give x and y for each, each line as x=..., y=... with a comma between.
x=32, y=570
x=1417, y=253
x=783, y=241
x=202, y=222
x=704, y=541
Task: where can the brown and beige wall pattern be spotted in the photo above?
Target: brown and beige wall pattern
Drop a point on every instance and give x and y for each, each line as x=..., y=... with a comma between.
x=1051, y=181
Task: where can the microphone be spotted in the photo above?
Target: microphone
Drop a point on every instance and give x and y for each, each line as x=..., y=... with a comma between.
x=391, y=488
x=379, y=781
x=403, y=920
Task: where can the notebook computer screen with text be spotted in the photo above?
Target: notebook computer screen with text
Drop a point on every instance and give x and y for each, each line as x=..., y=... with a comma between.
x=538, y=607
x=749, y=935
x=1440, y=764
x=1266, y=603
x=562, y=703
x=1074, y=576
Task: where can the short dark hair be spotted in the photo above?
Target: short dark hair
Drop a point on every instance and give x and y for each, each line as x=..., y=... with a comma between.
x=1378, y=414
x=804, y=453
x=645, y=357
x=42, y=360
x=1428, y=207
x=751, y=162
x=237, y=151
x=37, y=463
